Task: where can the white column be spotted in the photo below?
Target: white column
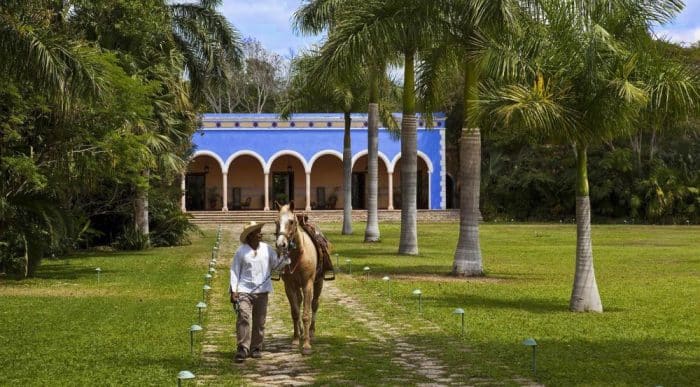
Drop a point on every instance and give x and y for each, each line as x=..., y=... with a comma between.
x=225, y=193
x=183, y=202
x=266, y=205
x=308, y=191
x=391, y=191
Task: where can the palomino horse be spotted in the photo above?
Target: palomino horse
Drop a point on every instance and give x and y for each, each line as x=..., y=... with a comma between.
x=301, y=282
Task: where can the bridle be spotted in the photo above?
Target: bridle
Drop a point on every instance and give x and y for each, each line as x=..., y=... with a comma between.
x=293, y=247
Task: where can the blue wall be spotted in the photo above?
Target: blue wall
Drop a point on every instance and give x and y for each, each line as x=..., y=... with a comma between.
x=218, y=136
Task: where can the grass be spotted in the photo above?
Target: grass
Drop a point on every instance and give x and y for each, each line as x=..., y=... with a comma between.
x=62, y=328
x=648, y=279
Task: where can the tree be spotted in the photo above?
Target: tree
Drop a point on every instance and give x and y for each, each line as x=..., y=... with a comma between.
x=313, y=18
x=382, y=30
x=586, y=87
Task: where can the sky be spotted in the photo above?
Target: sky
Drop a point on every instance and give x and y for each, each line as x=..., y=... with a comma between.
x=269, y=21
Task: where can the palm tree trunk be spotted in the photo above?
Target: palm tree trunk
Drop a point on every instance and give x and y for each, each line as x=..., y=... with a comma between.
x=585, y=296
x=467, y=259
x=141, y=206
x=347, y=177
x=372, y=229
x=408, y=244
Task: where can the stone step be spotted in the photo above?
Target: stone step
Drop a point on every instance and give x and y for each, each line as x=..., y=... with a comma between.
x=318, y=216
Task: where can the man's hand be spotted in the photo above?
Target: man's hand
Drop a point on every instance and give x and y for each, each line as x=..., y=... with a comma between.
x=234, y=297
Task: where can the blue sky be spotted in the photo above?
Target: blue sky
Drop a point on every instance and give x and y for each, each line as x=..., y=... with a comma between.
x=269, y=21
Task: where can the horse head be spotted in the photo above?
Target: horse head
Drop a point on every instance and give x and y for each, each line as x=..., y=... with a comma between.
x=286, y=226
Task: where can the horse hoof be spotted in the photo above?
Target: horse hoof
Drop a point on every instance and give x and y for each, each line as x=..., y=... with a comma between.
x=306, y=351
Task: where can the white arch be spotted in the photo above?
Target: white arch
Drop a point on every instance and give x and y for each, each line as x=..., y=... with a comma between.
x=323, y=153
x=380, y=155
x=256, y=156
x=290, y=153
x=422, y=155
x=210, y=154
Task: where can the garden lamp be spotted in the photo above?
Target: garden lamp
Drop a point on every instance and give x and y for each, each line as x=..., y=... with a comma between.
x=419, y=294
x=347, y=262
x=193, y=329
x=388, y=285
x=184, y=375
x=201, y=305
x=366, y=270
x=207, y=277
x=460, y=311
x=98, y=270
x=205, y=289
x=530, y=342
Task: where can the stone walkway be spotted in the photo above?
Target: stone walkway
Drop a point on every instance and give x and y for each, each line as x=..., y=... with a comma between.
x=283, y=365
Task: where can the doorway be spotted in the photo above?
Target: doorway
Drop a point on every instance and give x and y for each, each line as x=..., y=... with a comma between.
x=358, y=190
x=283, y=187
x=194, y=191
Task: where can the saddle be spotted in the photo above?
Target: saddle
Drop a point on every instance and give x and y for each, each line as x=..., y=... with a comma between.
x=323, y=248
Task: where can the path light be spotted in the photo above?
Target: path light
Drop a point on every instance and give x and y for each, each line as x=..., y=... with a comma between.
x=193, y=329
x=460, y=311
x=530, y=342
x=205, y=289
x=337, y=258
x=366, y=270
x=419, y=294
x=207, y=278
x=184, y=375
x=201, y=305
x=347, y=262
x=212, y=270
x=388, y=285
x=98, y=270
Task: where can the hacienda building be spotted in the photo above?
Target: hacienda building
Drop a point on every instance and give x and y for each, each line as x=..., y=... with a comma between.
x=249, y=161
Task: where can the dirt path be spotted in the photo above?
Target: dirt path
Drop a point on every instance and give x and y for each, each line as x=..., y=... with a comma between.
x=283, y=365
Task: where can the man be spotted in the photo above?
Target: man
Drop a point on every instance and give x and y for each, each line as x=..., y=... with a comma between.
x=249, y=288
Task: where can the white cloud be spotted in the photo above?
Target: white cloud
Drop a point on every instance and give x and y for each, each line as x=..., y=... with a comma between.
x=678, y=35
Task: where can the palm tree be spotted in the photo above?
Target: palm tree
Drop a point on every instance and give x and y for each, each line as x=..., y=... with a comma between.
x=371, y=30
x=309, y=92
x=465, y=48
x=587, y=88
x=313, y=18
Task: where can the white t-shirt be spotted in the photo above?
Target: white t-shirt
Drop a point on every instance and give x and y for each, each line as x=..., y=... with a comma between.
x=249, y=268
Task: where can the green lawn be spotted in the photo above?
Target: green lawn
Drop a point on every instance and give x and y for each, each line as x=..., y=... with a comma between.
x=62, y=328
x=649, y=279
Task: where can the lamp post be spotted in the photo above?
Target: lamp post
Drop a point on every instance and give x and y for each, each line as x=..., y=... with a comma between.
x=205, y=289
x=388, y=285
x=419, y=294
x=184, y=375
x=201, y=305
x=193, y=329
x=460, y=311
x=347, y=262
x=366, y=270
x=530, y=342
x=98, y=270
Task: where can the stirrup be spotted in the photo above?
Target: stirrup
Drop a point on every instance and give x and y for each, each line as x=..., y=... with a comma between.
x=329, y=275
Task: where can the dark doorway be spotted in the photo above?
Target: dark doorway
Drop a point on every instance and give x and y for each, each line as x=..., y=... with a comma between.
x=358, y=190
x=194, y=191
x=450, y=192
x=421, y=190
x=283, y=187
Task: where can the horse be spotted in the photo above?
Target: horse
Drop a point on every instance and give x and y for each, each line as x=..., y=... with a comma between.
x=301, y=281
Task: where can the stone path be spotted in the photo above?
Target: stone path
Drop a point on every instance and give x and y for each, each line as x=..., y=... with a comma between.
x=283, y=365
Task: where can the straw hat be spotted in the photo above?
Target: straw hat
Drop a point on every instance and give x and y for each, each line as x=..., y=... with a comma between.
x=250, y=227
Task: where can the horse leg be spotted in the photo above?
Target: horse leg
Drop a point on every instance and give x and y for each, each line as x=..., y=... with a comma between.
x=294, y=298
x=306, y=316
x=318, y=287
